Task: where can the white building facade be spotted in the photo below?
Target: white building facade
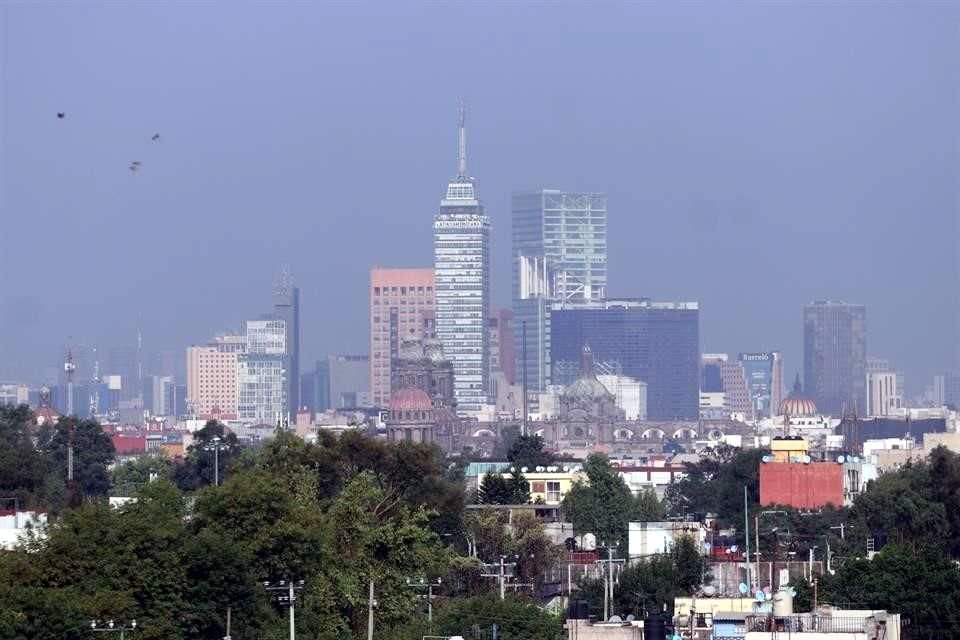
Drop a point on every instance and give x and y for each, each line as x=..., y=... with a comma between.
x=461, y=243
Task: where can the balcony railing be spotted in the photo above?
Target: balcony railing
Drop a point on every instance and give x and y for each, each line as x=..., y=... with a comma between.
x=809, y=623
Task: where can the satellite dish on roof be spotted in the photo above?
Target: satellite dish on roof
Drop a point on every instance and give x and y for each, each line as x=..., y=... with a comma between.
x=841, y=459
x=523, y=469
x=744, y=588
x=630, y=618
x=792, y=592
x=807, y=459
x=615, y=618
x=709, y=590
x=765, y=459
x=760, y=597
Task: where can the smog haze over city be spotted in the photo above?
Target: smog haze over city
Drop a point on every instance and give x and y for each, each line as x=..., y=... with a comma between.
x=756, y=157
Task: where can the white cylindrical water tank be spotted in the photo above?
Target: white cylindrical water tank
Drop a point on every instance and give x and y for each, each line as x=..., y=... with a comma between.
x=782, y=604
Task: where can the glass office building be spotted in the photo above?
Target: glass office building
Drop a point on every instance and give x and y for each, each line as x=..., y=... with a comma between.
x=559, y=243
x=261, y=374
x=835, y=356
x=655, y=342
x=764, y=373
x=461, y=244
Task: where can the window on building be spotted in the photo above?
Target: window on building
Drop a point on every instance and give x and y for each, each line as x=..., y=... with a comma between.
x=553, y=491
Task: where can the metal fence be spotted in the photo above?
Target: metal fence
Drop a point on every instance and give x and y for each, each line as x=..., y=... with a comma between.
x=808, y=623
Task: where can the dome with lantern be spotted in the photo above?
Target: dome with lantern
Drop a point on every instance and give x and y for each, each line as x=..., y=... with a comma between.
x=798, y=403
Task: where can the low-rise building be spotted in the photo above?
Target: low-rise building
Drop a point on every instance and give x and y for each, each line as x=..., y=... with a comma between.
x=653, y=538
x=15, y=524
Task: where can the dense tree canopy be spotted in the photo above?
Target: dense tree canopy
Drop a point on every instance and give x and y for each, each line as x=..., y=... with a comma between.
x=527, y=451
x=651, y=584
x=33, y=460
x=715, y=484
x=337, y=514
x=603, y=504
x=497, y=489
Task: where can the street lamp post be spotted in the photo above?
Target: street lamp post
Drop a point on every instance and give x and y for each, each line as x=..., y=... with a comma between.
x=111, y=627
x=216, y=446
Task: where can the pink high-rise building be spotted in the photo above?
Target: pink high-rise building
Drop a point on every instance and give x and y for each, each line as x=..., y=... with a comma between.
x=401, y=300
x=212, y=383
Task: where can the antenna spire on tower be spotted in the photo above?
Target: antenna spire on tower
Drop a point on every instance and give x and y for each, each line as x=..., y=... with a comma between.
x=462, y=140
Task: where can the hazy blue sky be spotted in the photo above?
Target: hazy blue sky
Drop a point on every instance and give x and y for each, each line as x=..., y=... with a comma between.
x=756, y=155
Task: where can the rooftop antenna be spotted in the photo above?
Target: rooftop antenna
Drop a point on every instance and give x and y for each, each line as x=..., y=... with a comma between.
x=69, y=367
x=462, y=146
x=94, y=391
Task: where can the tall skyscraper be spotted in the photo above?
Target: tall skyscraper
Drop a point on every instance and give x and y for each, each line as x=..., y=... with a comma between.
x=834, y=355
x=559, y=254
x=655, y=342
x=286, y=305
x=461, y=249
x=400, y=299
x=764, y=371
x=262, y=378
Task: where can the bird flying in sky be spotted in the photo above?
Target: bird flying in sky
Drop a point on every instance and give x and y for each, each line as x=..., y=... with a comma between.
x=61, y=115
x=155, y=137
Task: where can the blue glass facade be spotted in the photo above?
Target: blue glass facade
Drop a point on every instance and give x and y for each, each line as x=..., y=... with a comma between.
x=758, y=368
x=559, y=245
x=658, y=343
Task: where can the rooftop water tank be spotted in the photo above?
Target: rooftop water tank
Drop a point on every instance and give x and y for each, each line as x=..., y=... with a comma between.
x=782, y=604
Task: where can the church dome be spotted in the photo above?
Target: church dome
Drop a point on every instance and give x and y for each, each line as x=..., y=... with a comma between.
x=410, y=399
x=797, y=403
x=586, y=387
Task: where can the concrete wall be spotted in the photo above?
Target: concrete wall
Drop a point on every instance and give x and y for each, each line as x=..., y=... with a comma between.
x=802, y=486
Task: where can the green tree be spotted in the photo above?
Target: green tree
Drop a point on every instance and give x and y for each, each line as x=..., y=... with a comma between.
x=93, y=452
x=515, y=618
x=136, y=473
x=603, y=505
x=919, y=582
x=715, y=484
x=23, y=469
x=201, y=465
x=689, y=565
x=493, y=489
x=534, y=552
x=527, y=451
x=647, y=507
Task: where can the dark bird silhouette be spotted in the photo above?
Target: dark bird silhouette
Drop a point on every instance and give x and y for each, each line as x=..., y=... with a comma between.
x=61, y=115
x=136, y=163
x=155, y=137
x=134, y=167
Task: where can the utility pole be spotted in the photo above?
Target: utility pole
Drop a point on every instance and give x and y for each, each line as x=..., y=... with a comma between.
x=227, y=637
x=371, y=603
x=501, y=575
x=111, y=627
x=429, y=587
x=746, y=527
x=608, y=582
x=288, y=586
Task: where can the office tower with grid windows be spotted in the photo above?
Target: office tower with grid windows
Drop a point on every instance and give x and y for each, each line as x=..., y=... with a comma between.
x=461, y=249
x=262, y=375
x=559, y=248
x=835, y=355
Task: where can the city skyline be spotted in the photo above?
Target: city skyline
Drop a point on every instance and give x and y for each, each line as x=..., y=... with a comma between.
x=667, y=192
